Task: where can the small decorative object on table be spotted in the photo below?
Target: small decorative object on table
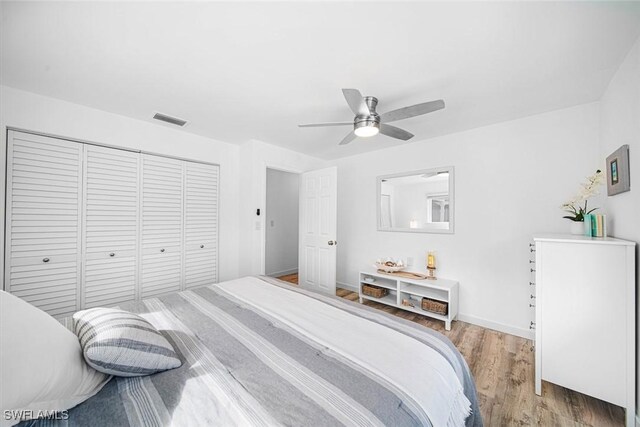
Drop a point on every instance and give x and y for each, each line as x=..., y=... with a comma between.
x=575, y=207
x=431, y=265
x=389, y=266
x=595, y=225
x=407, y=303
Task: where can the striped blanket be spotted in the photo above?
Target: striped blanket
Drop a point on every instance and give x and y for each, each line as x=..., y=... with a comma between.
x=256, y=351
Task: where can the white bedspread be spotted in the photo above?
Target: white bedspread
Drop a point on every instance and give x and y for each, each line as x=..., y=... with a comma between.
x=401, y=360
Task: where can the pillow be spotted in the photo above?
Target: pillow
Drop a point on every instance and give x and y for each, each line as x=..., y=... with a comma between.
x=41, y=363
x=120, y=343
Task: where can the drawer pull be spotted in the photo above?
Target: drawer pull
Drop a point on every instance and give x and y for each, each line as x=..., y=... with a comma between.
x=112, y=254
x=532, y=284
x=45, y=260
x=201, y=246
x=162, y=250
x=533, y=296
x=532, y=305
x=531, y=261
x=533, y=270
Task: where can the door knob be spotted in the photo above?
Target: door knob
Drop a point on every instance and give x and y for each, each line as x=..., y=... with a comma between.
x=112, y=254
x=201, y=246
x=161, y=250
x=45, y=260
x=332, y=242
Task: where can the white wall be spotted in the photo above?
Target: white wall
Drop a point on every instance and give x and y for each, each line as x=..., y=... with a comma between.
x=510, y=179
x=620, y=124
x=255, y=158
x=281, y=215
x=42, y=114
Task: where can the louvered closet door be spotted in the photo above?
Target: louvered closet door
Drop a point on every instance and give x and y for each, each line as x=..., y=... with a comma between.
x=110, y=226
x=43, y=213
x=201, y=224
x=162, y=225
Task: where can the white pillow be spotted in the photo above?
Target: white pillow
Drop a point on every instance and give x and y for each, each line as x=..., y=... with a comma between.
x=41, y=363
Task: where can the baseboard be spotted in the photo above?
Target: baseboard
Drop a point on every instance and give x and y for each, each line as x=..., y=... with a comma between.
x=496, y=326
x=282, y=273
x=347, y=286
x=638, y=420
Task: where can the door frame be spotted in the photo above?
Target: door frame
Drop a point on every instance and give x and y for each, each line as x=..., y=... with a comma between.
x=263, y=203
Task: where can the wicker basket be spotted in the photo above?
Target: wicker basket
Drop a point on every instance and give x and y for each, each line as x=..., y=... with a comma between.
x=374, y=291
x=435, y=306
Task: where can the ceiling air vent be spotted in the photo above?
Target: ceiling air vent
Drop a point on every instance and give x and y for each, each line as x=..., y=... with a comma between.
x=169, y=119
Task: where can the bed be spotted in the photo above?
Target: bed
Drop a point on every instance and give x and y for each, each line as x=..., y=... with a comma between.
x=258, y=351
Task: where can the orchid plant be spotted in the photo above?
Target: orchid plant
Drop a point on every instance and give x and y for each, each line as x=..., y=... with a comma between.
x=587, y=189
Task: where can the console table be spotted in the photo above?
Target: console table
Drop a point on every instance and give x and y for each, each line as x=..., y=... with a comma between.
x=401, y=288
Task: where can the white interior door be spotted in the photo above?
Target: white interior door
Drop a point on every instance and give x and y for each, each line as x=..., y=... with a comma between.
x=201, y=224
x=318, y=225
x=110, y=226
x=162, y=225
x=43, y=210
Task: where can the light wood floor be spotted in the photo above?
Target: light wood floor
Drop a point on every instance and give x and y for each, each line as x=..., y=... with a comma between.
x=503, y=368
x=291, y=278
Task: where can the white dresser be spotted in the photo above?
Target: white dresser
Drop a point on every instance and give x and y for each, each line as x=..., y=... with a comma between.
x=585, y=317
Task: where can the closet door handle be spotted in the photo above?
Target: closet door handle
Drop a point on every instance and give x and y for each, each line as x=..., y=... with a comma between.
x=112, y=254
x=162, y=250
x=201, y=246
x=45, y=260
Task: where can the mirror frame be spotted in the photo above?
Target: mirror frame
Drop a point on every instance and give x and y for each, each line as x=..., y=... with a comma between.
x=452, y=210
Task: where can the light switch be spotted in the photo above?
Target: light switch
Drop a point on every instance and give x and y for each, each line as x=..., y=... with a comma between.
x=409, y=261
x=273, y=223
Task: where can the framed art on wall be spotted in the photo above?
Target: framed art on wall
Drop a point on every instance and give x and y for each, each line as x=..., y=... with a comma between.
x=618, y=177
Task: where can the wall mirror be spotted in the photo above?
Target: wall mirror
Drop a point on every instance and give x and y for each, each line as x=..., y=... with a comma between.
x=419, y=201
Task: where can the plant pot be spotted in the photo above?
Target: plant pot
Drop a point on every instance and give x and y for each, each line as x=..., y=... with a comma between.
x=577, y=227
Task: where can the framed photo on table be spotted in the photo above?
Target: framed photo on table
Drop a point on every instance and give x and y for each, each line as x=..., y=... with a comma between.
x=618, y=176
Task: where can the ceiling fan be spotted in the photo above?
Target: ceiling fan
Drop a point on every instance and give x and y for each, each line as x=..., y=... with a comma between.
x=368, y=122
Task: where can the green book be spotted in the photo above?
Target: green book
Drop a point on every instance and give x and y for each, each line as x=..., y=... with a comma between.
x=587, y=225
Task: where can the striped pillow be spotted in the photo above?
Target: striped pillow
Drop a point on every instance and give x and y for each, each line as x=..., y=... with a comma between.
x=120, y=343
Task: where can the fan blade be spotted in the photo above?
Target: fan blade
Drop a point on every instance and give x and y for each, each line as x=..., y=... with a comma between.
x=356, y=102
x=414, y=110
x=395, y=132
x=311, y=125
x=347, y=139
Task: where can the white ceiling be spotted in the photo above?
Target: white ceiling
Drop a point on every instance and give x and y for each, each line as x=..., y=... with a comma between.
x=242, y=71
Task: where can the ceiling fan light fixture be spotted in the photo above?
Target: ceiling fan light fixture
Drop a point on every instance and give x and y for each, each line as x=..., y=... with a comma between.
x=366, y=128
x=367, y=131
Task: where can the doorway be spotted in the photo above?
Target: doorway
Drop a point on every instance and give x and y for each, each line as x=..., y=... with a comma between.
x=282, y=225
